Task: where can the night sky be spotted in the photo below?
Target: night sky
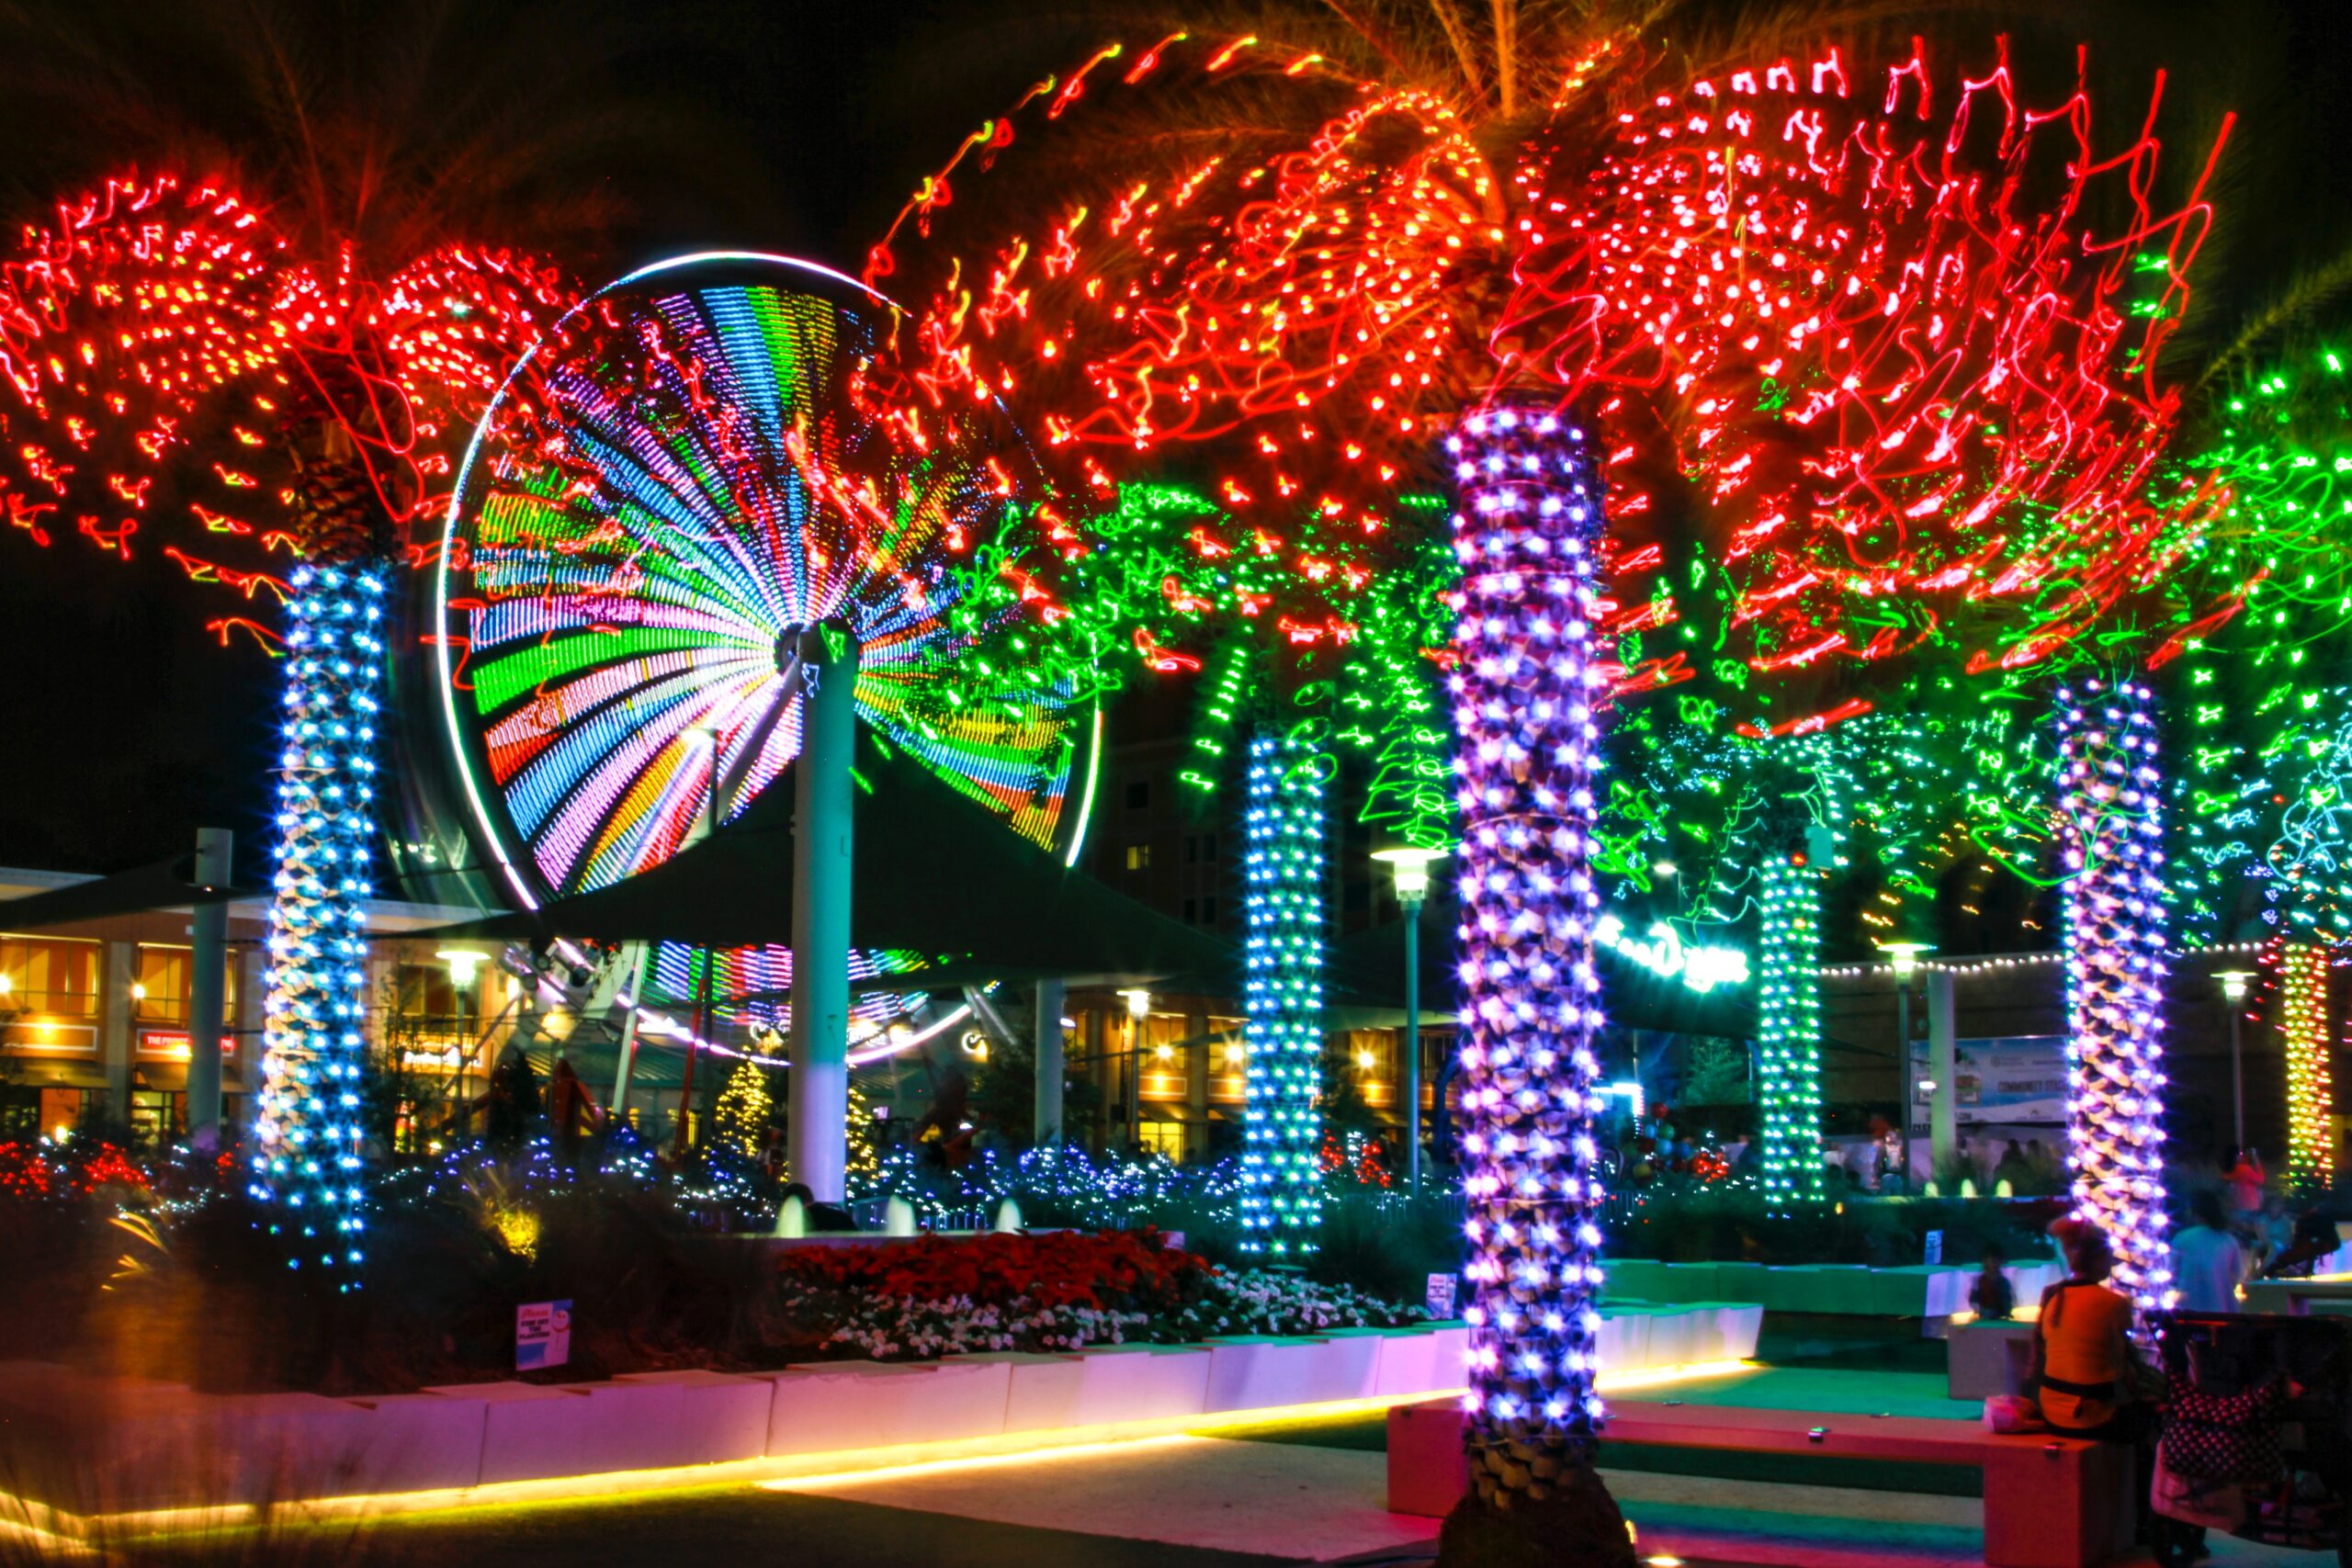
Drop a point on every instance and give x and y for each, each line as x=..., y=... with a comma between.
x=123, y=724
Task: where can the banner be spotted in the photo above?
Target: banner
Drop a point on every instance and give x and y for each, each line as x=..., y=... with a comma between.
x=2003, y=1078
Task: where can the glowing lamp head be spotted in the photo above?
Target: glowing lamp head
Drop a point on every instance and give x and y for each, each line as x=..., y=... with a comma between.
x=1138, y=1003
x=1411, y=869
x=1904, y=956
x=2234, y=983
x=464, y=963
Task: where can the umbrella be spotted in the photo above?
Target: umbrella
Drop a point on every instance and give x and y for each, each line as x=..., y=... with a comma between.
x=934, y=872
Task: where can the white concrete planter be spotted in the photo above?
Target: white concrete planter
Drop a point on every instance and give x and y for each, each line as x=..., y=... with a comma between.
x=121, y=1446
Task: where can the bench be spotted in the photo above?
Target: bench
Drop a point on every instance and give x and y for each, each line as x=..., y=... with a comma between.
x=2048, y=1502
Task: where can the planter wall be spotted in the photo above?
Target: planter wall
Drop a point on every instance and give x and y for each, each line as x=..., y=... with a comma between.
x=94, y=1445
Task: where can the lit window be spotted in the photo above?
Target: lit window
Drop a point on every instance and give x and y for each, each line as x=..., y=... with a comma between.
x=1138, y=856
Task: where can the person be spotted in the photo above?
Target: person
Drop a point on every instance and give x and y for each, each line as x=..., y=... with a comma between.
x=1990, y=1292
x=2012, y=1166
x=511, y=1104
x=2083, y=1368
x=571, y=1108
x=2208, y=1263
x=2246, y=1179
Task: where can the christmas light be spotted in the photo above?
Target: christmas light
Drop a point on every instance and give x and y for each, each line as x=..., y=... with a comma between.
x=1788, y=1046
x=2111, y=834
x=1281, y=1205
x=1527, y=685
x=2311, y=1097
x=307, y=1163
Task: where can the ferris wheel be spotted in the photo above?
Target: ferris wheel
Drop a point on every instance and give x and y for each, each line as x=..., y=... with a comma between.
x=697, y=464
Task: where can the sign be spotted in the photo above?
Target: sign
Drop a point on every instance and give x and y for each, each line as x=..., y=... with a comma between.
x=79, y=1038
x=1664, y=954
x=542, y=1334
x=1935, y=1247
x=2008, y=1078
x=177, y=1045
x=1440, y=1296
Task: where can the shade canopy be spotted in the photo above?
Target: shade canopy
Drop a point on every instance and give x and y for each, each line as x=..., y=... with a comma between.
x=166, y=885
x=1368, y=968
x=935, y=873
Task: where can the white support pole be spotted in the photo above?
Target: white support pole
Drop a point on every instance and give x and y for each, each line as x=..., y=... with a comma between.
x=1052, y=1066
x=1944, y=1064
x=208, y=989
x=822, y=831
x=640, y=972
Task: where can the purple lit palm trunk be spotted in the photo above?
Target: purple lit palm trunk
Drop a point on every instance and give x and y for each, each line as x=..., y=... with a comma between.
x=1524, y=691
x=2112, y=837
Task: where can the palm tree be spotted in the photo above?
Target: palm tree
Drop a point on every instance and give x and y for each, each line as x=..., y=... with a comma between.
x=1714, y=281
x=281, y=333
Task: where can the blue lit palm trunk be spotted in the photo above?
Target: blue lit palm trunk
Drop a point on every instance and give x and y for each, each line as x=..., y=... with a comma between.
x=1525, y=690
x=1789, y=1031
x=1282, y=1192
x=2112, y=837
x=307, y=1163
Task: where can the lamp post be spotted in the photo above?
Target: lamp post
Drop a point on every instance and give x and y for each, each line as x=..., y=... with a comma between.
x=465, y=964
x=1131, y=1070
x=1904, y=956
x=1411, y=869
x=2234, y=993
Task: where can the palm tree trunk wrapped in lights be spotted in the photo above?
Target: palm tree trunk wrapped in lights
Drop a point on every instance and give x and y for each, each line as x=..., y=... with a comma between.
x=1525, y=687
x=2111, y=838
x=1281, y=1205
x=1789, y=1031
x=308, y=1163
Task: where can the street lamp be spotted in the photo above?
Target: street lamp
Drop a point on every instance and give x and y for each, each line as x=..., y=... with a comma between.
x=2233, y=992
x=1411, y=869
x=1904, y=958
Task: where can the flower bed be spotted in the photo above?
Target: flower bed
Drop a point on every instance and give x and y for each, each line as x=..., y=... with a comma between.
x=1060, y=1291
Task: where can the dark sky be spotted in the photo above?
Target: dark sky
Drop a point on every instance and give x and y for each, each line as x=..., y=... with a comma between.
x=123, y=725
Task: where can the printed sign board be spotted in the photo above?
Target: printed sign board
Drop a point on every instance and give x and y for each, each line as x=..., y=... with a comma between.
x=542, y=1334
x=1440, y=1296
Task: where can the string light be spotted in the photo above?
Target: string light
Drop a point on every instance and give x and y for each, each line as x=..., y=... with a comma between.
x=2311, y=1098
x=1788, y=1030
x=2112, y=833
x=307, y=1163
x=1281, y=1205
x=1527, y=685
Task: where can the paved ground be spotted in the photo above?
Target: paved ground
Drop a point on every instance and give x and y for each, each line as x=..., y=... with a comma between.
x=1243, y=1498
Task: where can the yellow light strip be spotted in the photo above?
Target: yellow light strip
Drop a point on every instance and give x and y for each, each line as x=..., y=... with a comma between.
x=782, y=1472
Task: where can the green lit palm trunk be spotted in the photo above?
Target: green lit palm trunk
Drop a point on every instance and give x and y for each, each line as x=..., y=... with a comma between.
x=1789, y=1031
x=307, y=1160
x=1283, y=837
x=1525, y=689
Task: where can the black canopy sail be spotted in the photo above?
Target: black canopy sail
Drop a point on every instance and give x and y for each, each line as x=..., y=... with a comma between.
x=935, y=873
x=166, y=885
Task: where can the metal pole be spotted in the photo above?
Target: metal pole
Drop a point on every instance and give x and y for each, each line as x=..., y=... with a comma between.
x=709, y=964
x=638, y=972
x=1052, y=1068
x=1413, y=1045
x=208, y=989
x=822, y=831
x=2237, y=1079
x=1943, y=1102
x=1910, y=1076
